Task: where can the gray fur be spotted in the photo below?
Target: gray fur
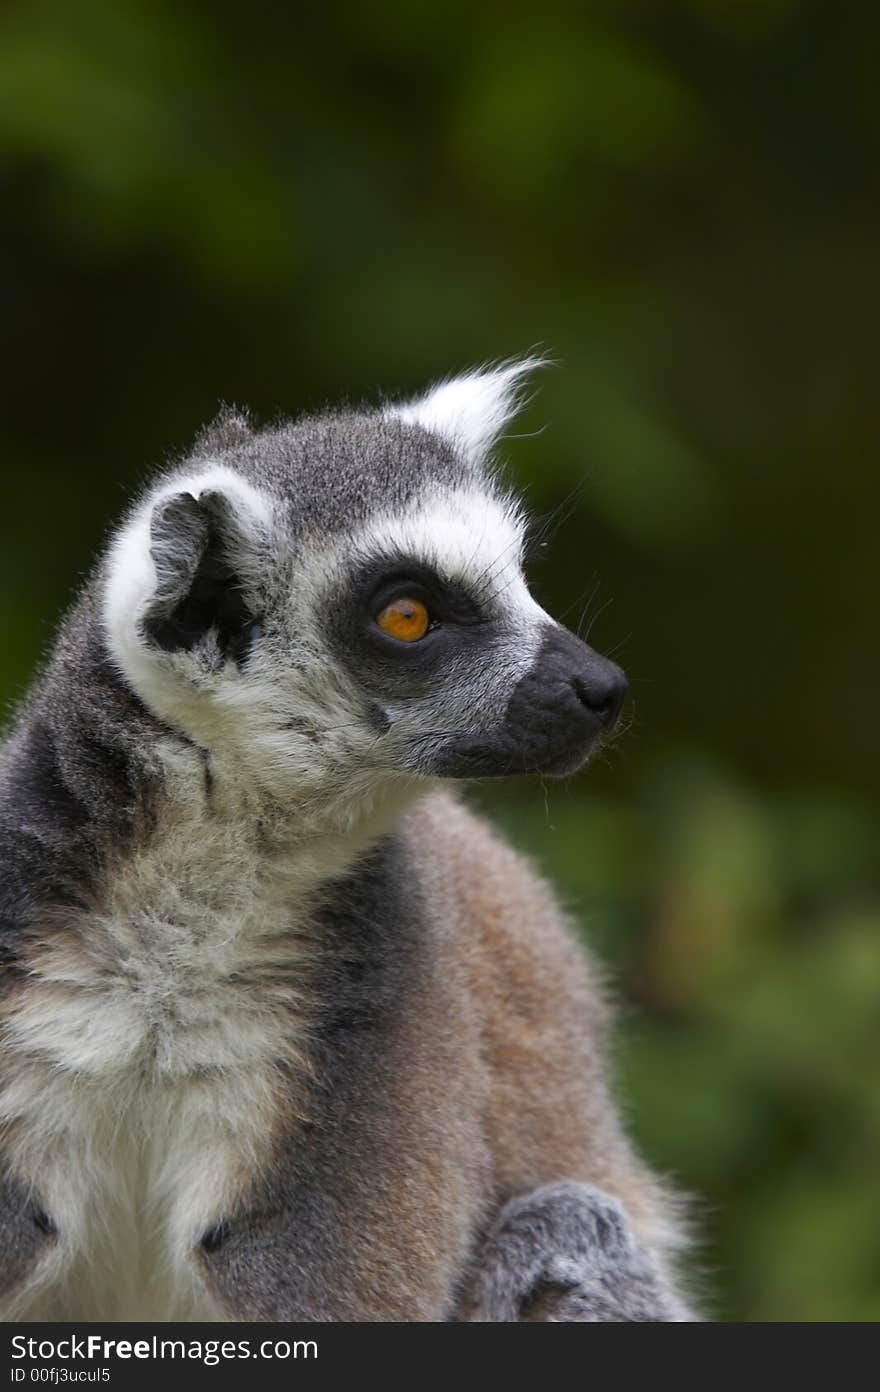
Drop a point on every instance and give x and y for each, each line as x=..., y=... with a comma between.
x=336, y=470
x=26, y=1234
x=345, y=1164
x=216, y=823
x=565, y=1252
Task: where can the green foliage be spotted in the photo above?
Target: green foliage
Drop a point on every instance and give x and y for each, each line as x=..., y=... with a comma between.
x=276, y=206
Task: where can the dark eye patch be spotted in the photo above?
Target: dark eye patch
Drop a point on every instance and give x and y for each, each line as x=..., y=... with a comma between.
x=458, y=632
x=446, y=601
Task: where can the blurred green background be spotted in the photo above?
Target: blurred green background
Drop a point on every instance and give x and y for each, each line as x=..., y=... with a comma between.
x=278, y=206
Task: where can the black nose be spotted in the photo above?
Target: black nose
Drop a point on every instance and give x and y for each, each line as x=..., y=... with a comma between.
x=556, y=715
x=601, y=687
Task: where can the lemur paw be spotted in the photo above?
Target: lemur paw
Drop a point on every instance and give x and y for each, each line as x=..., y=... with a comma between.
x=565, y=1253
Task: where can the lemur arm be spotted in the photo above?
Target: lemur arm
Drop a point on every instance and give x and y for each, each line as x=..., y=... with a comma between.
x=565, y=1253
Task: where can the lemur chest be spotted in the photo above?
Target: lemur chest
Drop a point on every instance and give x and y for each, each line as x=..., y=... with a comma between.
x=147, y=1058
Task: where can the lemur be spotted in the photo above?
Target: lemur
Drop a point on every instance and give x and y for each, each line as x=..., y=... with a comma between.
x=287, y=1032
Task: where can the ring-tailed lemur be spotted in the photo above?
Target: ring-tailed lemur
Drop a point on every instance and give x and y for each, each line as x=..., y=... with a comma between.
x=287, y=1033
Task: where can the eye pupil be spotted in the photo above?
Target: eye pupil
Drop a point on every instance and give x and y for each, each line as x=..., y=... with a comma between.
x=405, y=619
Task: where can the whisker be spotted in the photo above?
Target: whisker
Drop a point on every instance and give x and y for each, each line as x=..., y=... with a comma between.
x=579, y=600
x=618, y=646
x=496, y=595
x=489, y=571
x=601, y=610
x=548, y=525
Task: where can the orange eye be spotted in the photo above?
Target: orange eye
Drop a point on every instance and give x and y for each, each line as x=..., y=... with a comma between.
x=404, y=619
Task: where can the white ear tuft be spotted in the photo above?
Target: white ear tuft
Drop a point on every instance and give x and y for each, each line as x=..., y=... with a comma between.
x=473, y=409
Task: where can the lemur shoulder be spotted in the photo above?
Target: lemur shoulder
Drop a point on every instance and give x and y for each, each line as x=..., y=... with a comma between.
x=287, y=1033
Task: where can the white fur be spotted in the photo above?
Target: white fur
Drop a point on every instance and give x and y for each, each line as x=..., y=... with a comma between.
x=264, y=719
x=248, y=718
x=466, y=535
x=131, y=581
x=149, y=1063
x=470, y=410
x=147, y=1051
x=143, y=1081
x=469, y=537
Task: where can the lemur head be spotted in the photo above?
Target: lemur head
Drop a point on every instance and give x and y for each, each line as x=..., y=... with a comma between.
x=336, y=603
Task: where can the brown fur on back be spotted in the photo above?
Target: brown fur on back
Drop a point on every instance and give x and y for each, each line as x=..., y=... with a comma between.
x=540, y=1014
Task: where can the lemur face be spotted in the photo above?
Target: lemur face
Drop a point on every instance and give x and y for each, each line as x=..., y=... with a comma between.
x=340, y=601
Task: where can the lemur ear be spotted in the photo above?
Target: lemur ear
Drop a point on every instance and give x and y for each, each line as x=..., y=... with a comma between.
x=193, y=546
x=470, y=411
